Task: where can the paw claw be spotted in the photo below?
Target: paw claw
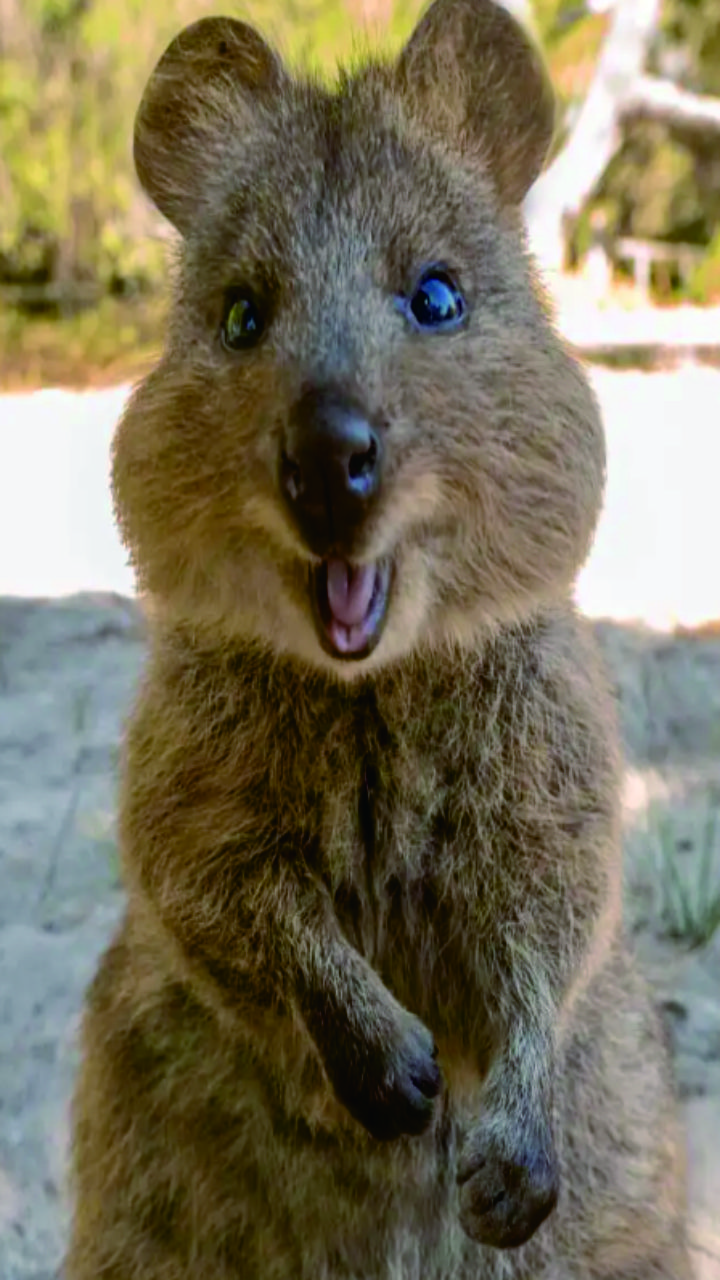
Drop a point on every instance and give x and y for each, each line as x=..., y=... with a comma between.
x=399, y=1084
x=504, y=1198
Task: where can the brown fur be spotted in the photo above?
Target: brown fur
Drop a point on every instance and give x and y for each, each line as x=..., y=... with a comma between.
x=330, y=864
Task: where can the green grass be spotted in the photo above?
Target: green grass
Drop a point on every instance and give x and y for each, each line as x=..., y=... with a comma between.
x=689, y=896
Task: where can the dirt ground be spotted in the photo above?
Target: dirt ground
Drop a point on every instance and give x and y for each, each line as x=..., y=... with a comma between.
x=68, y=667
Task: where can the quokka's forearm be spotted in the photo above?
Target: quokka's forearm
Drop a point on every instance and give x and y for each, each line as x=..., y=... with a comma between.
x=559, y=925
x=261, y=928
x=263, y=932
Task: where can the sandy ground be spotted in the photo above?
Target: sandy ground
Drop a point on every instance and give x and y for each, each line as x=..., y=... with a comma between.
x=68, y=667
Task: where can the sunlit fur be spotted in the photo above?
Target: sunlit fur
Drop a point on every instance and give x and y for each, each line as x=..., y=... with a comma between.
x=328, y=864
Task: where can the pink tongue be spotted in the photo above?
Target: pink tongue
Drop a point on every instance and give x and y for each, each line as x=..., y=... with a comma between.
x=350, y=591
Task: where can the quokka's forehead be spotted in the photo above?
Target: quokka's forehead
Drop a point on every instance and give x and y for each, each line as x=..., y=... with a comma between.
x=332, y=152
x=338, y=172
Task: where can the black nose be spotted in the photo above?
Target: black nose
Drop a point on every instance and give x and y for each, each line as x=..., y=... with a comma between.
x=330, y=470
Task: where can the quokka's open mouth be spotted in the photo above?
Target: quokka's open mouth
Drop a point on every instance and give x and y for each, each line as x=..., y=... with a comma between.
x=350, y=604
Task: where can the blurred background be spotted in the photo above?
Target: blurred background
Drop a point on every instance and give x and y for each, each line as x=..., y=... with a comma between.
x=625, y=223
x=634, y=195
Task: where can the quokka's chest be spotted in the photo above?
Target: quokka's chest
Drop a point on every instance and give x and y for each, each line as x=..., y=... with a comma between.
x=405, y=848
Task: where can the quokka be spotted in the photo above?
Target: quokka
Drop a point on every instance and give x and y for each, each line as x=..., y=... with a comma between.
x=370, y=1014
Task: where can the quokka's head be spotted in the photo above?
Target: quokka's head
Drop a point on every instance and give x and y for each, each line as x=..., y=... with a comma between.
x=364, y=436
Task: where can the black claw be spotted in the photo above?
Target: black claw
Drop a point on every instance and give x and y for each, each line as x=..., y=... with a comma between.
x=428, y=1080
x=505, y=1200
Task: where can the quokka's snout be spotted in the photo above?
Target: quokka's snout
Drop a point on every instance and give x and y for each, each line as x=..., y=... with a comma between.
x=330, y=470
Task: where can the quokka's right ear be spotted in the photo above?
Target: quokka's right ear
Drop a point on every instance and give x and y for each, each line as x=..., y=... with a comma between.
x=202, y=97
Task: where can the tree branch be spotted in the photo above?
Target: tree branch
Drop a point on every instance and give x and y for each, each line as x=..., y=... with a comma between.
x=620, y=91
x=653, y=99
x=572, y=177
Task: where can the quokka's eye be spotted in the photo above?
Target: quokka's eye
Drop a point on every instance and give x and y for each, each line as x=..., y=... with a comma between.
x=437, y=303
x=243, y=323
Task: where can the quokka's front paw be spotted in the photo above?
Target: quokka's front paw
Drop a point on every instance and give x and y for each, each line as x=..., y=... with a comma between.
x=390, y=1084
x=507, y=1188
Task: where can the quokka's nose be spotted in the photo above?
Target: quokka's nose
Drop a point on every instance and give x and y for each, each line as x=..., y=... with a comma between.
x=330, y=469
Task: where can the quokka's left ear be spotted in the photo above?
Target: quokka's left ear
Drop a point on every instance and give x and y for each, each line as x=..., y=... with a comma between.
x=470, y=74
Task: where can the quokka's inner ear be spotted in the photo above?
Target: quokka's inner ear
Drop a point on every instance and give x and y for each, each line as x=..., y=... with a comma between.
x=471, y=75
x=204, y=91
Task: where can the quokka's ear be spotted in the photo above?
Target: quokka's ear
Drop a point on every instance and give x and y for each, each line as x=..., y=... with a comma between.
x=471, y=75
x=202, y=97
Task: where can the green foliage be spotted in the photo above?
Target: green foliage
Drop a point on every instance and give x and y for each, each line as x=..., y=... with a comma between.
x=71, y=75
x=651, y=190
x=665, y=188
x=691, y=30
x=572, y=48
x=689, y=902
x=68, y=77
x=705, y=284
